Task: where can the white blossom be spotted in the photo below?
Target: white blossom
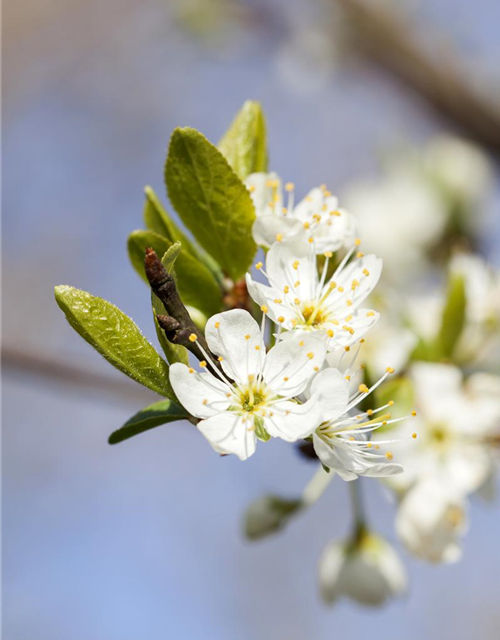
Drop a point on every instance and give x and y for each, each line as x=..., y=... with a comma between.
x=252, y=395
x=342, y=442
x=431, y=520
x=317, y=216
x=366, y=570
x=302, y=302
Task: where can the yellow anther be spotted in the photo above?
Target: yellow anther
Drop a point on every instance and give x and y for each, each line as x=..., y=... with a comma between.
x=284, y=211
x=220, y=359
x=281, y=319
x=257, y=347
x=228, y=394
x=286, y=289
x=341, y=289
x=310, y=240
x=289, y=186
x=327, y=193
x=366, y=272
x=296, y=284
x=205, y=401
x=310, y=355
x=317, y=217
x=328, y=254
x=306, y=225
x=279, y=237
x=348, y=303
x=295, y=322
x=369, y=412
x=193, y=337
x=348, y=378
x=191, y=370
x=296, y=300
x=414, y=435
x=332, y=285
x=357, y=242
x=295, y=264
x=384, y=422
x=217, y=325
x=251, y=188
x=330, y=333
x=264, y=309
x=347, y=348
x=316, y=368
x=377, y=446
x=348, y=329
x=301, y=343
x=352, y=438
x=368, y=445
x=363, y=388
x=413, y=413
x=203, y=363
x=391, y=403
x=390, y=370
x=361, y=342
x=370, y=314
x=389, y=455
x=287, y=412
x=278, y=300
x=247, y=337
x=360, y=254
x=259, y=265
x=354, y=284
x=348, y=319
x=286, y=378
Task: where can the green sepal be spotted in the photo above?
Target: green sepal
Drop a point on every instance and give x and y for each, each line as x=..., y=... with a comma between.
x=260, y=431
x=268, y=515
x=211, y=200
x=116, y=337
x=244, y=144
x=453, y=318
x=153, y=416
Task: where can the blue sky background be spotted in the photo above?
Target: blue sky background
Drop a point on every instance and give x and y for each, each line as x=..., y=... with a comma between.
x=143, y=540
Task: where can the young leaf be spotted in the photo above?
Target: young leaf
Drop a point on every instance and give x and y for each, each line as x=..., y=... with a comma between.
x=153, y=416
x=196, y=284
x=453, y=318
x=211, y=200
x=245, y=142
x=158, y=220
x=116, y=337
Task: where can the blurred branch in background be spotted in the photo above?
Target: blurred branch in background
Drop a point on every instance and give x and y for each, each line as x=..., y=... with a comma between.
x=52, y=370
x=383, y=36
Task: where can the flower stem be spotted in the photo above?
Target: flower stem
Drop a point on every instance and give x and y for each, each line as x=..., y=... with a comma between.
x=357, y=508
x=316, y=487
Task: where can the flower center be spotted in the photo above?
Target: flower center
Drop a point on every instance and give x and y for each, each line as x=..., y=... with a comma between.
x=313, y=316
x=252, y=398
x=439, y=435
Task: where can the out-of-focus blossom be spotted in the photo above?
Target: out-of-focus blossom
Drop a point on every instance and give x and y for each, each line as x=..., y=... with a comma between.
x=461, y=170
x=366, y=570
x=431, y=521
x=301, y=302
x=401, y=217
x=316, y=218
x=454, y=426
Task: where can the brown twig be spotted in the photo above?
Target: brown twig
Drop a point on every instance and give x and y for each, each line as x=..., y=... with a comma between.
x=386, y=40
x=178, y=326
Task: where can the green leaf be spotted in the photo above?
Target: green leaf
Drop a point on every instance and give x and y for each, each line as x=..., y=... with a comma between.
x=211, y=200
x=245, y=142
x=158, y=220
x=173, y=352
x=268, y=515
x=116, y=337
x=453, y=318
x=153, y=416
x=196, y=284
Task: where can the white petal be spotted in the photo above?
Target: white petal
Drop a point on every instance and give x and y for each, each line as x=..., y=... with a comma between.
x=360, y=322
x=273, y=227
x=234, y=336
x=356, y=271
x=331, y=391
x=280, y=268
x=330, y=565
x=290, y=364
x=228, y=433
x=202, y=394
x=291, y=421
x=261, y=294
x=262, y=194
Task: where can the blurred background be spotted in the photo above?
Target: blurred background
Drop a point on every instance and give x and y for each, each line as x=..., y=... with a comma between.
x=143, y=540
